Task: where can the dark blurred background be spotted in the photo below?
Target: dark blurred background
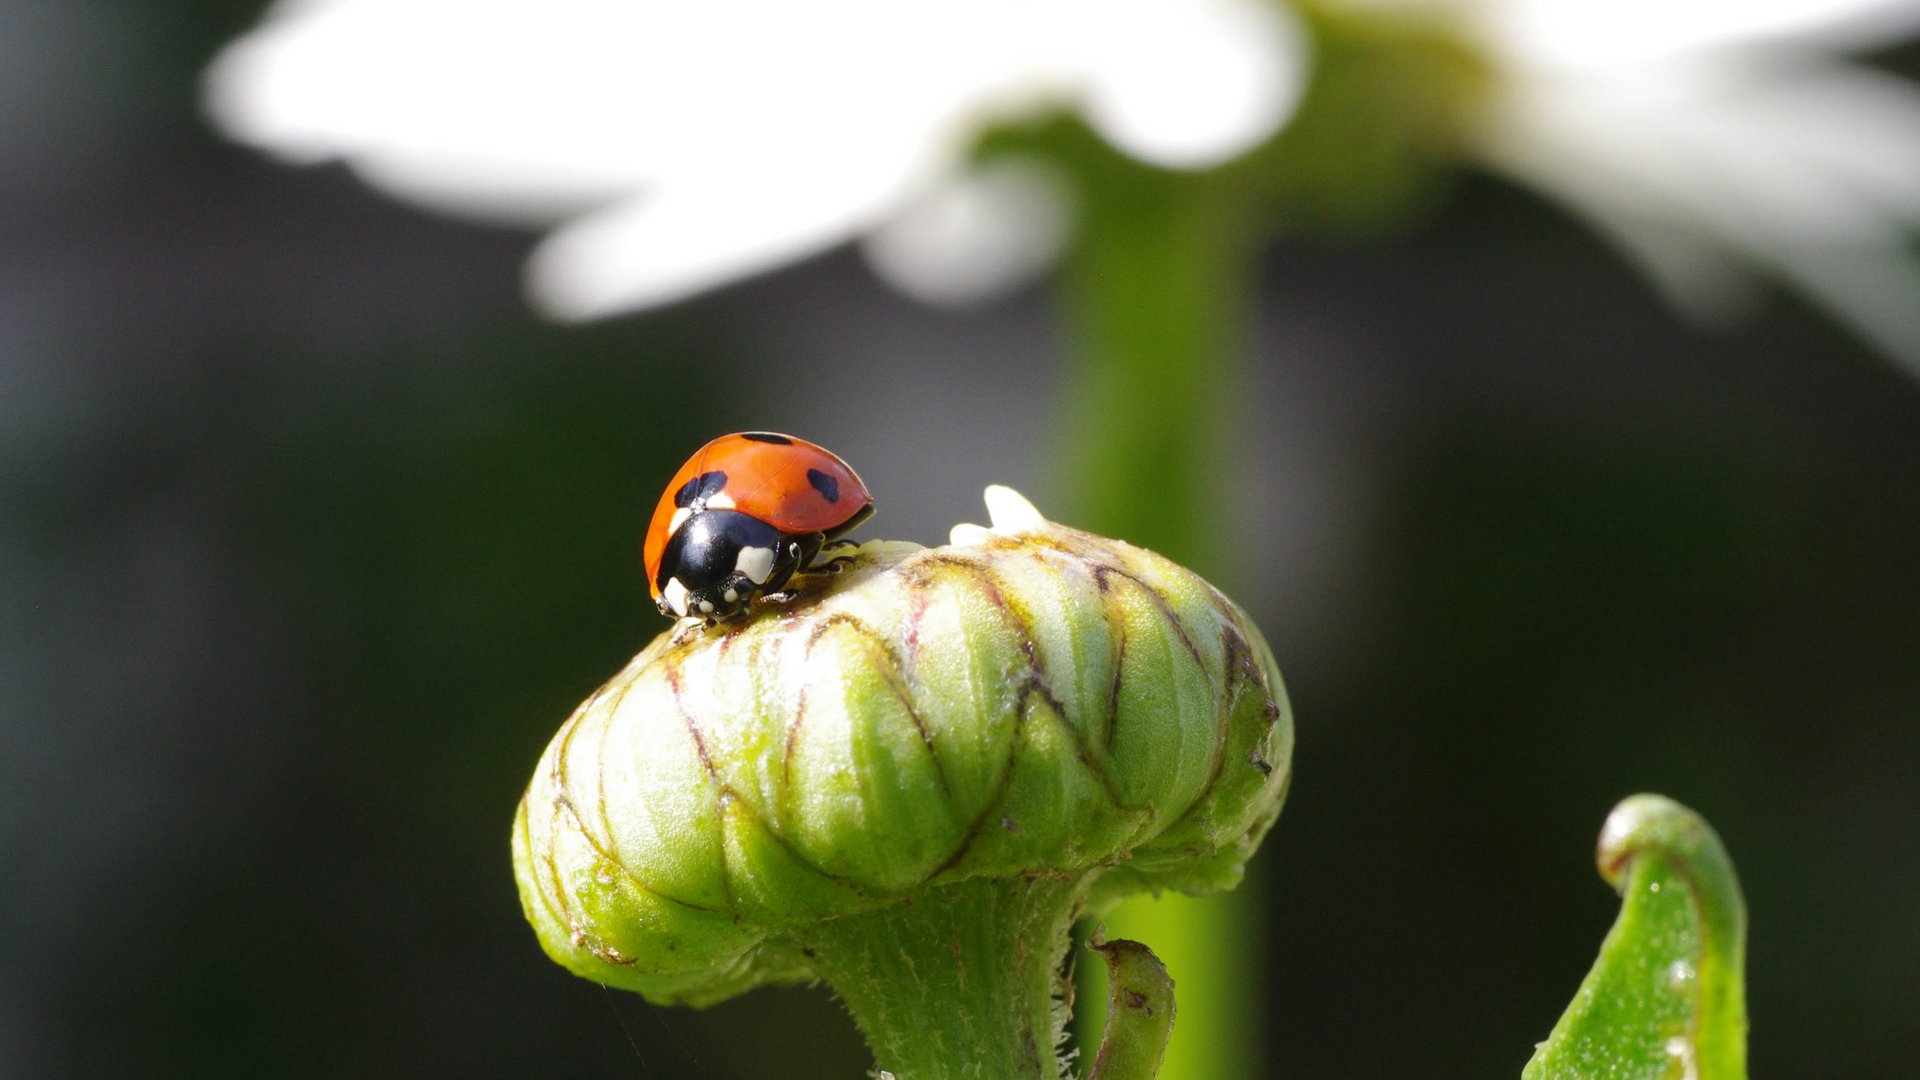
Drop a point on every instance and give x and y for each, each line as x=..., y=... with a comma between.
x=311, y=535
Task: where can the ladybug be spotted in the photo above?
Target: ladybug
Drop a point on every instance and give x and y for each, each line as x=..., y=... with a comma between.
x=744, y=514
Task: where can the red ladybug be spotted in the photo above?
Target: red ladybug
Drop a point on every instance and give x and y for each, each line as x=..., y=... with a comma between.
x=741, y=517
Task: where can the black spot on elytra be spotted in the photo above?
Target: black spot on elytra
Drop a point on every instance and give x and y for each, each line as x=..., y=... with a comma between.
x=767, y=437
x=704, y=486
x=826, y=485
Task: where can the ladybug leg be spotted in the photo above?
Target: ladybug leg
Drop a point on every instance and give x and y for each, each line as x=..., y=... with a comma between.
x=817, y=544
x=835, y=556
x=799, y=555
x=839, y=549
x=807, y=548
x=795, y=553
x=832, y=564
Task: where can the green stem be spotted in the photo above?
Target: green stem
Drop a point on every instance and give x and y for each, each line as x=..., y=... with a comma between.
x=961, y=983
x=1160, y=290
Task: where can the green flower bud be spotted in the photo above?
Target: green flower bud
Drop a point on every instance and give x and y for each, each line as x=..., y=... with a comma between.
x=1031, y=719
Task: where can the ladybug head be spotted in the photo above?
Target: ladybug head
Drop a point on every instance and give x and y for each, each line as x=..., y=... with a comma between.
x=717, y=561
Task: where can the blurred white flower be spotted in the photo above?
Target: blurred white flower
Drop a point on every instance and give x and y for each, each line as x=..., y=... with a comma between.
x=1714, y=138
x=680, y=145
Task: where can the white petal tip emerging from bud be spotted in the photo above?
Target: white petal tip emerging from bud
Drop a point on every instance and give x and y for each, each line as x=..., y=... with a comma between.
x=1010, y=514
x=965, y=535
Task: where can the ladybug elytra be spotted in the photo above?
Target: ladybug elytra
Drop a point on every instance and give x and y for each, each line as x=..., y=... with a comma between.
x=741, y=517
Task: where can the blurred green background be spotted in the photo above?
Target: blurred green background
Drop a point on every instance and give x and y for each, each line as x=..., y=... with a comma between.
x=311, y=535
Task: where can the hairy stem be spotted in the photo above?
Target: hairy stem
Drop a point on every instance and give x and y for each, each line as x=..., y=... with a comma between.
x=961, y=983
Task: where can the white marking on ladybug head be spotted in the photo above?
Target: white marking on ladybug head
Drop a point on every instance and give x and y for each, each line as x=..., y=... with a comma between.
x=680, y=517
x=706, y=607
x=756, y=563
x=676, y=596
x=732, y=596
x=719, y=500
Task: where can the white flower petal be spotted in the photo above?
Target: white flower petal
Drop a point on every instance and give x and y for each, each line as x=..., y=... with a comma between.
x=664, y=246
x=975, y=235
x=1711, y=163
x=1685, y=262
x=1584, y=33
x=1193, y=84
x=1734, y=148
x=1862, y=128
x=710, y=140
x=1010, y=511
x=1875, y=290
x=451, y=102
x=965, y=535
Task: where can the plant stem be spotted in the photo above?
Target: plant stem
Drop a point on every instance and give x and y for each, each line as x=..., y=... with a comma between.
x=1159, y=291
x=961, y=983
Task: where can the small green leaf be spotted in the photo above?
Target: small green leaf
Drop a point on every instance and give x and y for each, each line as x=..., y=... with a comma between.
x=1139, y=1013
x=1667, y=998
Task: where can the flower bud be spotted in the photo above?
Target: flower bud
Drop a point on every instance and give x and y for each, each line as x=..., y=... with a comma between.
x=1031, y=703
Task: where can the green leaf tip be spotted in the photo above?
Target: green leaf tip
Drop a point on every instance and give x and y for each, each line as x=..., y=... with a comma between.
x=1140, y=1013
x=1666, y=1000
